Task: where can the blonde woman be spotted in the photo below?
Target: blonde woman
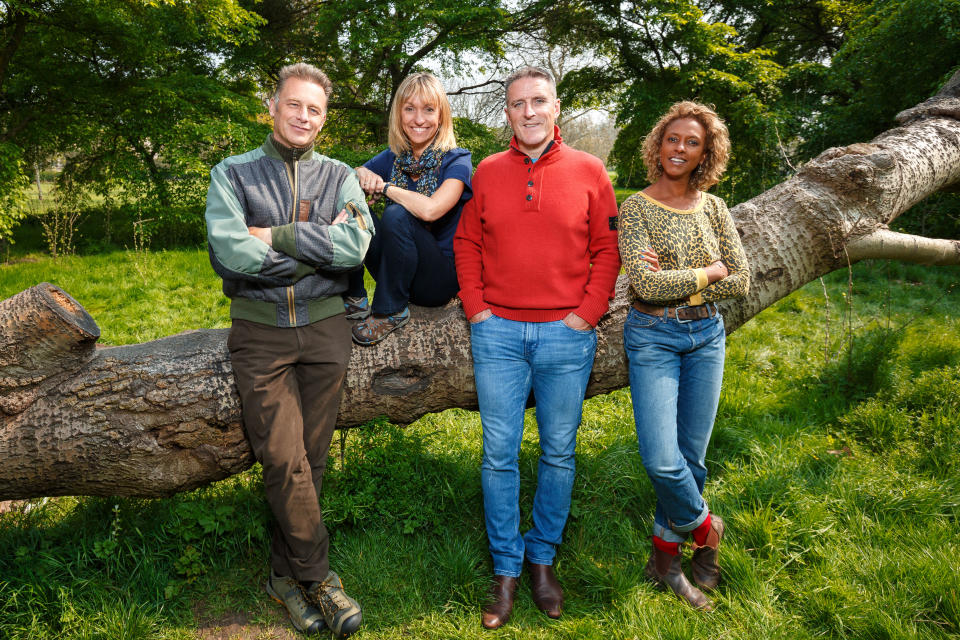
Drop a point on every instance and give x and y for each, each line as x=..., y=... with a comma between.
x=682, y=253
x=425, y=178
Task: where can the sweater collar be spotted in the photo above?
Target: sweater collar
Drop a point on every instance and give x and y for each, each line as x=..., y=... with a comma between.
x=552, y=148
x=272, y=147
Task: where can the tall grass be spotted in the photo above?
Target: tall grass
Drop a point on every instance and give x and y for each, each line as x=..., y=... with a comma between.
x=835, y=462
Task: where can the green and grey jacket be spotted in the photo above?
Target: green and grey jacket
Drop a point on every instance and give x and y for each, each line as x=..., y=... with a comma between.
x=297, y=193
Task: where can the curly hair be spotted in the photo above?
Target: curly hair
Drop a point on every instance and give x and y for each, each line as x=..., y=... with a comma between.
x=717, y=145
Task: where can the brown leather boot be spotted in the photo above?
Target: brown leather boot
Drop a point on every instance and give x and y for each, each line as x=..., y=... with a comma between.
x=703, y=565
x=666, y=571
x=547, y=594
x=496, y=614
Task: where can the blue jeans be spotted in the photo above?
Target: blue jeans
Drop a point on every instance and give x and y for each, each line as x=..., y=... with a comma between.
x=510, y=358
x=407, y=263
x=676, y=368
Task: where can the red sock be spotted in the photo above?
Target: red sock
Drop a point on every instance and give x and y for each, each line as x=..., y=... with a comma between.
x=672, y=548
x=700, y=533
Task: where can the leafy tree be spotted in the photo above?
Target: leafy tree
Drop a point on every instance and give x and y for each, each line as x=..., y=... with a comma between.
x=480, y=139
x=368, y=47
x=895, y=55
x=130, y=91
x=760, y=63
x=13, y=181
x=658, y=52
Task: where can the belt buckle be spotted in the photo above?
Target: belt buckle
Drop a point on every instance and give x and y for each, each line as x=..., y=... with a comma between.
x=677, y=313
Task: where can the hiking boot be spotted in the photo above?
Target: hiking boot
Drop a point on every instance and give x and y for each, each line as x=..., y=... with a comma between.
x=375, y=328
x=341, y=612
x=356, y=308
x=288, y=592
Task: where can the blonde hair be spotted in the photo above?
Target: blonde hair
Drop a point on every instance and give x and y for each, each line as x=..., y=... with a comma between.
x=716, y=146
x=426, y=87
x=306, y=72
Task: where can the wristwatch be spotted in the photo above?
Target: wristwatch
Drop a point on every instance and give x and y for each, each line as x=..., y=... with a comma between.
x=386, y=185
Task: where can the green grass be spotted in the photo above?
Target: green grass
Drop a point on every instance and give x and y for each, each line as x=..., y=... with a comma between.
x=134, y=296
x=835, y=462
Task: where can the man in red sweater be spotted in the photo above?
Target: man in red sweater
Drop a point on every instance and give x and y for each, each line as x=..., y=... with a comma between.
x=537, y=261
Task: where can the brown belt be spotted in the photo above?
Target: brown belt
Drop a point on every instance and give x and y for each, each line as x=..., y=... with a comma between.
x=680, y=313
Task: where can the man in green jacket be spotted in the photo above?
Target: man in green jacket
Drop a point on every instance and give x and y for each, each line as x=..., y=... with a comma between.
x=284, y=226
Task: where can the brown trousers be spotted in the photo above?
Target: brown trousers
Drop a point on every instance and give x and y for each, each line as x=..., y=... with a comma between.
x=290, y=380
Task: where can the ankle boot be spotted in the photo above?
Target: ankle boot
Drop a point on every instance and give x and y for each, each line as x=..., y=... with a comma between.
x=496, y=614
x=703, y=565
x=547, y=594
x=666, y=571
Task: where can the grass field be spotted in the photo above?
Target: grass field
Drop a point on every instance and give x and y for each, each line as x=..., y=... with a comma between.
x=835, y=462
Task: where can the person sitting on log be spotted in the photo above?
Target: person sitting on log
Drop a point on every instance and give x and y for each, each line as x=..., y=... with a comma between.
x=284, y=225
x=425, y=178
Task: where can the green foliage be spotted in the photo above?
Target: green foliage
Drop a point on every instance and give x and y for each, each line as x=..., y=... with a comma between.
x=895, y=56
x=414, y=490
x=12, y=183
x=480, y=139
x=665, y=51
x=130, y=93
x=367, y=48
x=936, y=217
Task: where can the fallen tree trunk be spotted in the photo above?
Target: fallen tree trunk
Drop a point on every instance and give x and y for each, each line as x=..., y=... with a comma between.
x=161, y=417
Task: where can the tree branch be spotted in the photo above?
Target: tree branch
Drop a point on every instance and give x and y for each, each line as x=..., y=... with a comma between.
x=890, y=245
x=467, y=90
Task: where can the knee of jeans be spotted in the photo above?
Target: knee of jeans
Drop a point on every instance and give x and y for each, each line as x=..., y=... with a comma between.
x=558, y=459
x=660, y=468
x=499, y=459
x=395, y=219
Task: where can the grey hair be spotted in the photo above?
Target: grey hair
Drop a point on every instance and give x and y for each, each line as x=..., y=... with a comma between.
x=530, y=72
x=303, y=71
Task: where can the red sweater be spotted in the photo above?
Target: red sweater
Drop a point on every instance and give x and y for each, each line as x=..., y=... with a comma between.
x=538, y=239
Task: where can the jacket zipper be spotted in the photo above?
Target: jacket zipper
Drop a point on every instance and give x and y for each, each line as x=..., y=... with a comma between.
x=294, y=188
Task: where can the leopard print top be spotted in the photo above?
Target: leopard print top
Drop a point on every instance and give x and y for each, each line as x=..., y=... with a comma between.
x=686, y=242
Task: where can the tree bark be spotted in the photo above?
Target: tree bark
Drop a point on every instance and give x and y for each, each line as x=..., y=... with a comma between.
x=161, y=417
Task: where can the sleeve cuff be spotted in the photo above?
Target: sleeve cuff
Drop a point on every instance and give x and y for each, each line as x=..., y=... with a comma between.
x=592, y=311
x=702, y=280
x=285, y=239
x=473, y=303
x=302, y=269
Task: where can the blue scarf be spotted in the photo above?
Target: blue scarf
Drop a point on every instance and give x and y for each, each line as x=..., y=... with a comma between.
x=427, y=167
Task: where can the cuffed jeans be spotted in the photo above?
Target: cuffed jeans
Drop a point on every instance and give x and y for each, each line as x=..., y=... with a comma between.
x=676, y=368
x=407, y=263
x=290, y=381
x=509, y=358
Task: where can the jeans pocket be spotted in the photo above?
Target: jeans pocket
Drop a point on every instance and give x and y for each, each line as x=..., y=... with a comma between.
x=638, y=320
x=484, y=321
x=582, y=332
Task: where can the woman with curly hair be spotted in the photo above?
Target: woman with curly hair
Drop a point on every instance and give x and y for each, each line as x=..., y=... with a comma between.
x=682, y=254
x=425, y=179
